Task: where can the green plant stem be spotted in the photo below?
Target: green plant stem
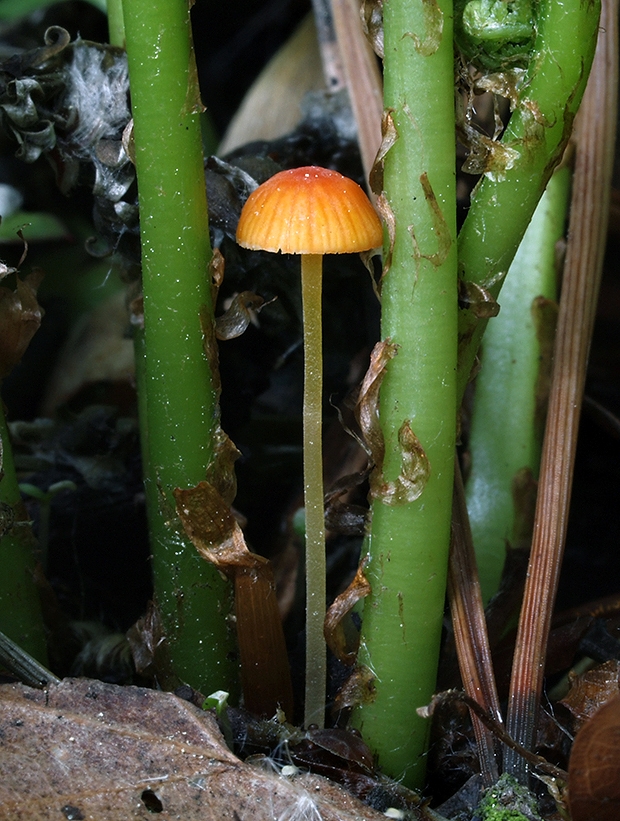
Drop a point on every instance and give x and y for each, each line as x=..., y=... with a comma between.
x=503, y=204
x=506, y=428
x=180, y=414
x=20, y=608
x=409, y=541
x=116, y=25
x=316, y=662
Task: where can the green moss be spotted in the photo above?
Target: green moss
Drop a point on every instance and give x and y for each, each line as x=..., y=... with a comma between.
x=507, y=800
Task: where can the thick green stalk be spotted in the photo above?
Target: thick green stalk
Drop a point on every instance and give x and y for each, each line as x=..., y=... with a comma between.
x=316, y=661
x=409, y=539
x=504, y=202
x=180, y=413
x=20, y=608
x=506, y=428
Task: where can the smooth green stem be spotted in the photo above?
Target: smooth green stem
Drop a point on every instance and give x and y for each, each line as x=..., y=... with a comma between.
x=316, y=660
x=116, y=25
x=20, y=608
x=179, y=412
x=409, y=540
x=503, y=203
x=506, y=428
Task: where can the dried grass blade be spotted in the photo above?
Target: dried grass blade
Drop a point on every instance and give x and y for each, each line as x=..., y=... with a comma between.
x=362, y=78
x=470, y=632
x=595, y=131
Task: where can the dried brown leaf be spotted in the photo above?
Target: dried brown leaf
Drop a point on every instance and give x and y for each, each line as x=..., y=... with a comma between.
x=362, y=77
x=358, y=689
x=20, y=317
x=98, y=350
x=415, y=467
x=217, y=267
x=265, y=674
x=592, y=689
x=147, y=641
x=413, y=476
x=477, y=299
x=389, y=220
x=128, y=142
x=389, y=135
x=372, y=23
x=367, y=409
x=488, y=156
x=85, y=749
x=335, y=633
x=221, y=471
x=594, y=767
x=216, y=534
x=212, y=528
x=271, y=107
x=342, y=516
x=506, y=84
x=345, y=519
x=240, y=313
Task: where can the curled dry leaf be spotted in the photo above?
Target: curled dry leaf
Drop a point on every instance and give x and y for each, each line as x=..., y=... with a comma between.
x=221, y=471
x=367, y=409
x=389, y=220
x=413, y=476
x=147, y=641
x=344, y=519
x=477, y=299
x=389, y=135
x=212, y=528
x=335, y=633
x=594, y=767
x=217, y=266
x=415, y=467
x=85, y=749
x=591, y=690
x=372, y=24
x=506, y=84
x=488, y=156
x=238, y=315
x=341, y=516
x=216, y=534
x=358, y=689
x=20, y=317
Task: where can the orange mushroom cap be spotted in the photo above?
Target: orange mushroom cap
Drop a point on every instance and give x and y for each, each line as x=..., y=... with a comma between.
x=309, y=210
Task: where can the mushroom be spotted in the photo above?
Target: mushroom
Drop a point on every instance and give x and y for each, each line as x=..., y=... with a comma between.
x=311, y=211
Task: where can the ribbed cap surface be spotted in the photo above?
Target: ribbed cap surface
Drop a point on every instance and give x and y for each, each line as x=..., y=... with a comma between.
x=309, y=210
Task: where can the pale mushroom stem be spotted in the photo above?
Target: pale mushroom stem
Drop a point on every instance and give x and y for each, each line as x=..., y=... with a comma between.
x=316, y=661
